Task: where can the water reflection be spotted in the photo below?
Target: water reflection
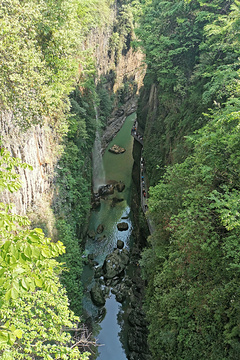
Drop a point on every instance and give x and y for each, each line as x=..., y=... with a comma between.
x=110, y=330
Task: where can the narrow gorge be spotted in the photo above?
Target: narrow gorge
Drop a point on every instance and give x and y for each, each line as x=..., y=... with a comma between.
x=64, y=150
x=119, y=180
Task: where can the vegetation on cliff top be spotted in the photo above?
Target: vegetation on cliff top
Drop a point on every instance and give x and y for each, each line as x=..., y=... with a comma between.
x=192, y=262
x=45, y=74
x=41, y=51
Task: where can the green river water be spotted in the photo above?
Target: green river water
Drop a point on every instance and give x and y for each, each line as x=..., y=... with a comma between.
x=108, y=330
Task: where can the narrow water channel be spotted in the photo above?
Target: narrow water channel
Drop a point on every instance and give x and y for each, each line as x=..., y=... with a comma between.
x=108, y=321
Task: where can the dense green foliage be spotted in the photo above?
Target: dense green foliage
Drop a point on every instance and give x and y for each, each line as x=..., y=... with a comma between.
x=189, y=69
x=42, y=57
x=40, y=50
x=192, y=262
x=34, y=309
x=72, y=203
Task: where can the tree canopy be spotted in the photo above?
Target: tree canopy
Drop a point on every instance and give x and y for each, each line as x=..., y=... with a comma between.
x=192, y=261
x=40, y=53
x=34, y=309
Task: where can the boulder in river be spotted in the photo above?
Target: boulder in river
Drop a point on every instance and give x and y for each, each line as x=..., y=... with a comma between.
x=123, y=226
x=91, y=256
x=100, y=228
x=97, y=295
x=124, y=256
x=95, y=201
x=120, y=244
x=121, y=292
x=98, y=272
x=96, y=204
x=115, y=263
x=116, y=149
x=105, y=190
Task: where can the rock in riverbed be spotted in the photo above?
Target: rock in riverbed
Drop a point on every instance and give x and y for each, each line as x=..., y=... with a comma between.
x=120, y=244
x=115, y=263
x=100, y=228
x=116, y=149
x=122, y=226
x=97, y=295
x=105, y=190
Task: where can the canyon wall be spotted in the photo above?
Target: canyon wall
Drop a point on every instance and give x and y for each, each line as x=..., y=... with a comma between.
x=40, y=146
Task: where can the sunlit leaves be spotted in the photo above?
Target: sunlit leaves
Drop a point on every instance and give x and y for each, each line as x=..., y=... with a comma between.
x=8, y=177
x=36, y=326
x=40, y=52
x=33, y=306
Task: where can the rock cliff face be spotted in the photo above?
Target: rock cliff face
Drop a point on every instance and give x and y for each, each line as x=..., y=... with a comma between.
x=34, y=147
x=39, y=146
x=129, y=67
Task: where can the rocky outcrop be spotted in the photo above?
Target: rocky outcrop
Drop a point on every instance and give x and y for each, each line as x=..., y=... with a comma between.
x=120, y=244
x=113, y=276
x=116, y=121
x=98, y=295
x=116, y=149
x=37, y=147
x=91, y=234
x=123, y=226
x=106, y=190
x=115, y=263
x=111, y=272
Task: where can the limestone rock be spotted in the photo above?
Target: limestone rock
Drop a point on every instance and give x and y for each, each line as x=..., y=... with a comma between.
x=97, y=295
x=120, y=244
x=91, y=256
x=124, y=256
x=106, y=190
x=96, y=204
x=122, y=226
x=114, y=264
x=116, y=149
x=98, y=272
x=121, y=292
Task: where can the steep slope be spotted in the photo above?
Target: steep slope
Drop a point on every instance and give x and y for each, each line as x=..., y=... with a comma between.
x=189, y=110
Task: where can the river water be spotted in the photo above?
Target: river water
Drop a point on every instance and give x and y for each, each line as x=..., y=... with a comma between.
x=108, y=324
